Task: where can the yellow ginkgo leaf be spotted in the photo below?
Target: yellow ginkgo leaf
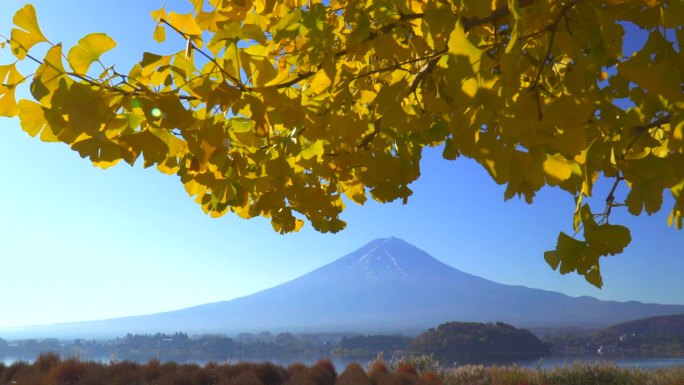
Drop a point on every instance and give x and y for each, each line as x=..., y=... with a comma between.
x=459, y=45
x=159, y=33
x=28, y=34
x=557, y=169
x=8, y=103
x=9, y=75
x=514, y=6
x=48, y=75
x=604, y=239
x=185, y=23
x=655, y=68
x=320, y=82
x=89, y=50
x=315, y=149
x=31, y=117
x=159, y=14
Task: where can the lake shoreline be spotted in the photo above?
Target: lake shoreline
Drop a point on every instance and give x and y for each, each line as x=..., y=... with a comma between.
x=341, y=361
x=422, y=370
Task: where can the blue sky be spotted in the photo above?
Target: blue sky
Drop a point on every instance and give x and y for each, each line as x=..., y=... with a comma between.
x=79, y=243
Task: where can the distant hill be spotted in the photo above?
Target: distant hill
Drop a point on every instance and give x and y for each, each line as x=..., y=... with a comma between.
x=477, y=342
x=670, y=324
x=387, y=286
x=662, y=335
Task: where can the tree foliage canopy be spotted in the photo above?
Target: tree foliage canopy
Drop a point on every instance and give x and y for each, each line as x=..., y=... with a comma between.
x=282, y=108
x=472, y=341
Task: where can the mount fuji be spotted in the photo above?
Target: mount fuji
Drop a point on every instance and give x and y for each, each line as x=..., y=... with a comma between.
x=386, y=286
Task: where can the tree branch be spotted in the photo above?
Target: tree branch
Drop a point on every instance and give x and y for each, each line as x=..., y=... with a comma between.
x=286, y=84
x=398, y=65
x=467, y=23
x=84, y=78
x=637, y=131
x=191, y=46
x=365, y=142
x=547, y=58
x=494, y=17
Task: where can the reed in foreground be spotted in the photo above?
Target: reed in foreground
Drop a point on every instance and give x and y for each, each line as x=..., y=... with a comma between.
x=577, y=374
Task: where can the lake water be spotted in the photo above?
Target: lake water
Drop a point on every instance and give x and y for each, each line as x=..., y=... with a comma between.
x=543, y=363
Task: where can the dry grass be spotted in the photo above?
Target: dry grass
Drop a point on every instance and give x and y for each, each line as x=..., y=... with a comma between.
x=577, y=374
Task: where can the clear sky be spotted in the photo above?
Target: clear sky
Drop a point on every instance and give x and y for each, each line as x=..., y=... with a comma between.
x=79, y=243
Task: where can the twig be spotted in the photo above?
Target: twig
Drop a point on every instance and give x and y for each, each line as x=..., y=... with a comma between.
x=638, y=131
x=192, y=46
x=610, y=199
x=369, y=138
x=286, y=84
x=552, y=28
x=398, y=65
x=468, y=23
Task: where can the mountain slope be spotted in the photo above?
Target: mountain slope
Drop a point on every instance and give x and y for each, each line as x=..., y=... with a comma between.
x=672, y=325
x=387, y=285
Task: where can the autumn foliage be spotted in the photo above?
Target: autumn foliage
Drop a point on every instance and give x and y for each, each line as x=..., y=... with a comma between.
x=479, y=342
x=49, y=369
x=285, y=108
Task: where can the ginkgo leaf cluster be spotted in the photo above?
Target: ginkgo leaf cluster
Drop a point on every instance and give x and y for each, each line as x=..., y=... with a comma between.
x=287, y=109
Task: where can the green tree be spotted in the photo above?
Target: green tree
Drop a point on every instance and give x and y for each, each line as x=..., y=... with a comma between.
x=473, y=340
x=281, y=108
